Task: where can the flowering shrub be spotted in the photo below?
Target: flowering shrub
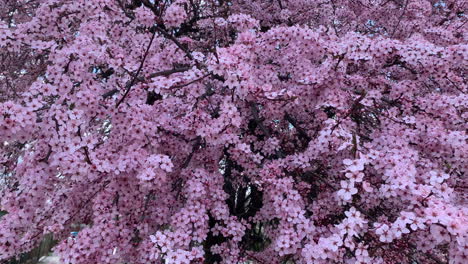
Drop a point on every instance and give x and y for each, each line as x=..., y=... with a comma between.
x=200, y=131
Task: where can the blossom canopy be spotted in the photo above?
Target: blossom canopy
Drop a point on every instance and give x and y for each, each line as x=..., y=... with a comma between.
x=233, y=131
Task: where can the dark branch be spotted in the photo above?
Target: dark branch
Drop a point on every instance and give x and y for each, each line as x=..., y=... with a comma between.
x=167, y=72
x=132, y=82
x=294, y=123
x=178, y=44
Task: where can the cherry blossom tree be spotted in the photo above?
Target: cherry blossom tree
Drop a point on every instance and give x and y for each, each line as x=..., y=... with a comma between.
x=216, y=131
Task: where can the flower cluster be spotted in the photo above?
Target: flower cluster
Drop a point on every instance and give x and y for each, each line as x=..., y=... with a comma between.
x=175, y=14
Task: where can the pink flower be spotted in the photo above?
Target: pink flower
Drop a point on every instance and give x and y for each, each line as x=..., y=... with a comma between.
x=347, y=227
x=399, y=229
x=356, y=176
x=384, y=232
x=439, y=233
x=417, y=223
x=437, y=177
x=367, y=186
x=456, y=227
x=347, y=190
x=166, y=164
x=354, y=165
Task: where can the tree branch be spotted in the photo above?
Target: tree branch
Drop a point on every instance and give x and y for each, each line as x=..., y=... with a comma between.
x=167, y=72
x=132, y=82
x=399, y=19
x=178, y=44
x=293, y=122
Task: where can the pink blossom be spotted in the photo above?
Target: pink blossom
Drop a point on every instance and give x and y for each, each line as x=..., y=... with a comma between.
x=354, y=165
x=234, y=131
x=347, y=190
x=356, y=177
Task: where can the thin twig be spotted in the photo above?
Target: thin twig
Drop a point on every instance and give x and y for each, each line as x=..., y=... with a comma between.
x=399, y=19
x=132, y=82
x=191, y=82
x=86, y=151
x=194, y=149
x=178, y=44
x=280, y=4
x=110, y=93
x=256, y=116
x=454, y=84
